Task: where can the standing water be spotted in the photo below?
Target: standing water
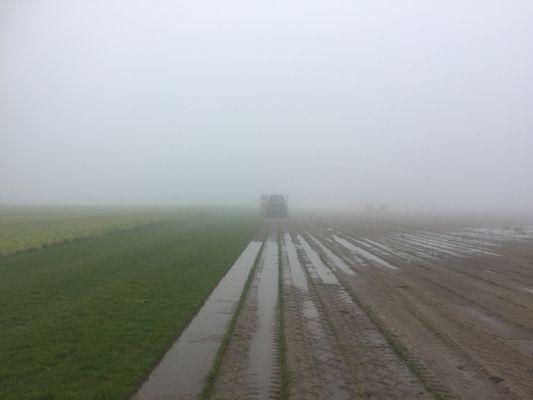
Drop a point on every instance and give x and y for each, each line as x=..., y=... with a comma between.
x=263, y=362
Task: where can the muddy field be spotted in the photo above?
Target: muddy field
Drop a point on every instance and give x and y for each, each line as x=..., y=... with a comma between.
x=338, y=308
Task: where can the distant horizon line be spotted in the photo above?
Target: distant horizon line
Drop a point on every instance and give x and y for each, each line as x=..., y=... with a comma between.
x=391, y=211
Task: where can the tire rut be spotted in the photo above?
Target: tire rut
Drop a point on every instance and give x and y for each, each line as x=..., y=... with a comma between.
x=381, y=374
x=250, y=367
x=479, y=372
x=316, y=363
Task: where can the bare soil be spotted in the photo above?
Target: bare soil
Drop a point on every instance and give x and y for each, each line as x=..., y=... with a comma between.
x=250, y=368
x=375, y=309
x=457, y=306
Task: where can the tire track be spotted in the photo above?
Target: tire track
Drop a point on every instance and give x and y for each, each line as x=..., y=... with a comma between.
x=317, y=367
x=379, y=285
x=250, y=366
x=382, y=375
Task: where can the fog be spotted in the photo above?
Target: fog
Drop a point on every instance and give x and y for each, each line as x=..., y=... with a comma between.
x=418, y=105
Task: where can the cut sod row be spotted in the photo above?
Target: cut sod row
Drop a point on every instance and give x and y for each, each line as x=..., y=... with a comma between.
x=208, y=390
x=89, y=319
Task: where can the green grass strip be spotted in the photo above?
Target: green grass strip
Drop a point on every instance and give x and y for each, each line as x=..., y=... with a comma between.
x=209, y=387
x=89, y=319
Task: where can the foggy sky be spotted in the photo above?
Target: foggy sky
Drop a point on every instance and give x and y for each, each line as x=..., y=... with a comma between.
x=420, y=105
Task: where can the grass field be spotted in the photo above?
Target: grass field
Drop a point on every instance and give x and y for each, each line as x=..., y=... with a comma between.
x=89, y=318
x=24, y=228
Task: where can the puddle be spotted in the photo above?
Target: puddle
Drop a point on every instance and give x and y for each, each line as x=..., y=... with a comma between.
x=321, y=343
x=464, y=238
x=422, y=249
x=377, y=250
x=299, y=280
x=263, y=354
x=336, y=259
x=318, y=270
x=415, y=252
x=438, y=243
x=455, y=248
x=464, y=242
x=500, y=234
x=444, y=243
x=182, y=371
x=363, y=253
x=297, y=273
x=429, y=244
x=323, y=271
x=391, y=251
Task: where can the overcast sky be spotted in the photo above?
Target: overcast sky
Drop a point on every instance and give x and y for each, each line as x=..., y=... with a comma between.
x=419, y=105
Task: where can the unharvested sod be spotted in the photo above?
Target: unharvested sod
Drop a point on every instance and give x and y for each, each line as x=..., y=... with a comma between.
x=89, y=319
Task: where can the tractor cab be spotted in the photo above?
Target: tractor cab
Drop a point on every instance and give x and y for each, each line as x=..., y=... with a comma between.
x=274, y=205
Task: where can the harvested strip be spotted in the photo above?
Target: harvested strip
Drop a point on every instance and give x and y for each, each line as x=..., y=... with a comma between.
x=250, y=365
x=336, y=260
x=416, y=251
x=456, y=340
x=429, y=244
x=390, y=251
x=381, y=374
x=264, y=367
x=463, y=246
x=465, y=332
x=182, y=372
x=363, y=253
x=324, y=272
x=316, y=365
x=452, y=371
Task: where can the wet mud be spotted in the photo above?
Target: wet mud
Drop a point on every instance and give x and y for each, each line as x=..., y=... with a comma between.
x=379, y=372
x=467, y=331
x=371, y=309
x=250, y=366
x=316, y=364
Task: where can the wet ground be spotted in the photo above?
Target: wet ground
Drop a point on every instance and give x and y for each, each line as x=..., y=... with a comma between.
x=370, y=309
x=250, y=368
